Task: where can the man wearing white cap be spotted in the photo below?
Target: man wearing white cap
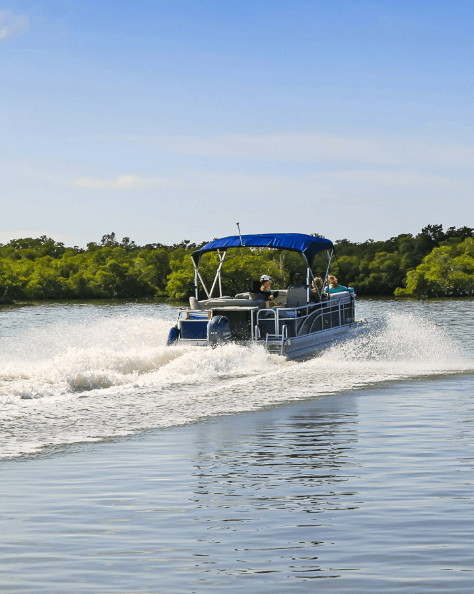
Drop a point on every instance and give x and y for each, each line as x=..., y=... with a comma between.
x=265, y=289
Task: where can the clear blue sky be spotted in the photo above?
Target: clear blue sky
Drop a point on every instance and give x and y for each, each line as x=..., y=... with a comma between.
x=171, y=120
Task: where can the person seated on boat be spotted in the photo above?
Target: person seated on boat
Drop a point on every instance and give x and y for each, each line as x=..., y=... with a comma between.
x=263, y=290
x=317, y=285
x=257, y=295
x=317, y=293
x=334, y=287
x=296, y=281
x=298, y=284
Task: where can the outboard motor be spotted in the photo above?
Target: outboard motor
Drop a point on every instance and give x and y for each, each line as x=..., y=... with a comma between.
x=218, y=330
x=172, y=336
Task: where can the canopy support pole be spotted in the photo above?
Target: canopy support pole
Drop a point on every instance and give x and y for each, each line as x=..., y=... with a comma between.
x=329, y=264
x=196, y=286
x=311, y=278
x=218, y=273
x=204, y=286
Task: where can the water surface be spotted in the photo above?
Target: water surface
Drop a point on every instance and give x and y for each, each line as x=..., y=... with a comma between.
x=83, y=373
x=129, y=467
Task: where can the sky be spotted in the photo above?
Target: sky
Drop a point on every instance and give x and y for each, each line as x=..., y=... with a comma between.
x=170, y=120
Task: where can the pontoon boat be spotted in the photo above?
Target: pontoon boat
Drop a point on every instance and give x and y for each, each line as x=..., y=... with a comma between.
x=307, y=318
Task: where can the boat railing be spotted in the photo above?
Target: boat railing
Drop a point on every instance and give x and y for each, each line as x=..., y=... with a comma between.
x=274, y=324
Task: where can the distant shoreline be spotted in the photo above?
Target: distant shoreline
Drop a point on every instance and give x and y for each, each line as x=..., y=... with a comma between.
x=432, y=264
x=165, y=300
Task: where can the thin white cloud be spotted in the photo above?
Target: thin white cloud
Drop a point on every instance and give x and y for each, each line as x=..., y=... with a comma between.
x=12, y=25
x=402, y=179
x=356, y=202
x=127, y=182
x=241, y=185
x=310, y=148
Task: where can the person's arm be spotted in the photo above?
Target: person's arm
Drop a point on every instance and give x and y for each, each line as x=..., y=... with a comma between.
x=317, y=288
x=319, y=282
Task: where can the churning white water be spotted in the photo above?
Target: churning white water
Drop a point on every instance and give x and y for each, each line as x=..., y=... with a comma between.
x=68, y=378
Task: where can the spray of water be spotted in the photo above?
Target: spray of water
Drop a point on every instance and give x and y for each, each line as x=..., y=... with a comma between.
x=400, y=338
x=82, y=382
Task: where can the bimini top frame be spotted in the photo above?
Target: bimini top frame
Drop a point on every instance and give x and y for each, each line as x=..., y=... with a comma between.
x=308, y=245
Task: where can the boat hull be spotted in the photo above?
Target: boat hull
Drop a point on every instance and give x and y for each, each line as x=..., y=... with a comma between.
x=305, y=346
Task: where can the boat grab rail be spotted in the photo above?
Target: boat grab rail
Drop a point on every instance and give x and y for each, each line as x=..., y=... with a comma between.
x=320, y=314
x=284, y=337
x=275, y=314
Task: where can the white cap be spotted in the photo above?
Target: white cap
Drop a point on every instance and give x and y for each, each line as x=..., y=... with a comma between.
x=265, y=278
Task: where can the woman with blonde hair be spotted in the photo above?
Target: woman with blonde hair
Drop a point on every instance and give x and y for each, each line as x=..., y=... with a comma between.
x=335, y=287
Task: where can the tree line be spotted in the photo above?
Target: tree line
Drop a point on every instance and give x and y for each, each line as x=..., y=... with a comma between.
x=433, y=263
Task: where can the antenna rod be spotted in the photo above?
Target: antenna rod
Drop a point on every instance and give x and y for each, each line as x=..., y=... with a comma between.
x=240, y=234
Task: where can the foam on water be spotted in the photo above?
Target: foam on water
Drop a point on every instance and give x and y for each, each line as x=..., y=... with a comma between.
x=68, y=358
x=68, y=383
x=398, y=338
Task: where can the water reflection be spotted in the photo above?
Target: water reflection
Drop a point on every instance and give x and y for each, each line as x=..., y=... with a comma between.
x=271, y=489
x=368, y=492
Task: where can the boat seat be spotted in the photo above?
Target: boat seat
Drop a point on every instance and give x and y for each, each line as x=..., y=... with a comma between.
x=194, y=303
x=296, y=297
x=340, y=296
x=226, y=303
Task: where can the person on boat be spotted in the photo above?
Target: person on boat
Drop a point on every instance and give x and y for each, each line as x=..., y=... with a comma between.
x=334, y=287
x=317, y=284
x=317, y=289
x=296, y=281
x=266, y=288
x=262, y=289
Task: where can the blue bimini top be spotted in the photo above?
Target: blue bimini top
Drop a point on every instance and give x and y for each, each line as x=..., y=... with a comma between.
x=308, y=245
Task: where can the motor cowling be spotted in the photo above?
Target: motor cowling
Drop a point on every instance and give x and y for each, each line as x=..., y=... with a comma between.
x=218, y=330
x=173, y=336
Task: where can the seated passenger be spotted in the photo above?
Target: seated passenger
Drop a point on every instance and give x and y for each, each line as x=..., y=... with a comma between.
x=262, y=289
x=296, y=281
x=334, y=287
x=316, y=293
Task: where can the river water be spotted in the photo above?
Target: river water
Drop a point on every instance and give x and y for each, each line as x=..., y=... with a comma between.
x=127, y=466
